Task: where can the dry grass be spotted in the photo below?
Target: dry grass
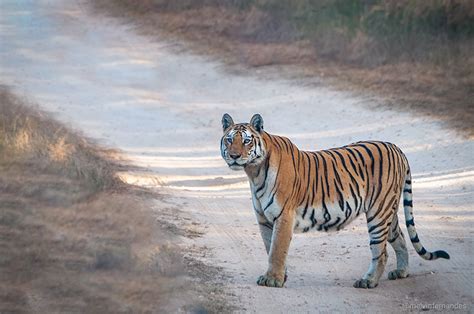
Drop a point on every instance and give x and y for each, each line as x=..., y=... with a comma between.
x=74, y=239
x=416, y=54
x=29, y=134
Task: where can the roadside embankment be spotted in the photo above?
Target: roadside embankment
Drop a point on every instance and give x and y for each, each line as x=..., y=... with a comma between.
x=73, y=237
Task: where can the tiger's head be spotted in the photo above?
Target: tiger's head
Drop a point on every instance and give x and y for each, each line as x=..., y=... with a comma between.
x=242, y=144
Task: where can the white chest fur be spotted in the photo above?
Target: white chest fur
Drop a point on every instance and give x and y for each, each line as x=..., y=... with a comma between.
x=264, y=198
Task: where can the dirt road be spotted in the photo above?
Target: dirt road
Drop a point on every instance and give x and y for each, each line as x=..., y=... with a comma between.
x=162, y=106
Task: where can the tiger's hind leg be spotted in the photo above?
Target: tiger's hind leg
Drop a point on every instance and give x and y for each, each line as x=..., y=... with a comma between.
x=378, y=233
x=397, y=240
x=377, y=266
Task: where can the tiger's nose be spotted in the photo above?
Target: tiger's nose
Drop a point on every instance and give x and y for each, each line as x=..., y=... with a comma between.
x=235, y=156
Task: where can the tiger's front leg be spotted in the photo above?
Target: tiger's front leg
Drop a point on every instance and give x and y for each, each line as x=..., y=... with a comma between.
x=266, y=231
x=279, y=246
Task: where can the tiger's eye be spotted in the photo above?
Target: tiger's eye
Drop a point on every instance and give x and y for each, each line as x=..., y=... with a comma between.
x=229, y=140
x=246, y=141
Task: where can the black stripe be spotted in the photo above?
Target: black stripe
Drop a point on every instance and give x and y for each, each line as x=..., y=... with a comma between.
x=371, y=156
x=277, y=174
x=313, y=220
x=356, y=201
x=336, y=174
x=389, y=155
x=341, y=158
x=379, y=190
x=356, y=184
x=308, y=196
x=398, y=163
x=340, y=198
x=361, y=172
x=292, y=153
x=327, y=227
x=349, y=210
x=276, y=141
x=338, y=187
x=304, y=212
x=296, y=182
x=407, y=203
x=272, y=190
x=382, y=206
x=274, y=219
x=381, y=237
x=352, y=163
x=266, y=224
x=285, y=142
x=395, y=238
x=377, y=225
x=281, y=211
x=384, y=218
x=326, y=176
x=348, y=215
x=393, y=173
x=267, y=166
x=395, y=226
x=316, y=178
x=376, y=258
x=326, y=214
x=270, y=202
x=347, y=169
x=362, y=158
x=375, y=242
x=415, y=239
x=299, y=158
x=371, y=198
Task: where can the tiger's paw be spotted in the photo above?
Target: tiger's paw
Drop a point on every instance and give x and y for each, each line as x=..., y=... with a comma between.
x=271, y=281
x=365, y=283
x=397, y=274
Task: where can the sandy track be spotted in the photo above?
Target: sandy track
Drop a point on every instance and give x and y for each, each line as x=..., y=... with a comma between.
x=162, y=107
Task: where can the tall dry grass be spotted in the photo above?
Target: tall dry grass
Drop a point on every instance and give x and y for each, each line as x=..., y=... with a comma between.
x=73, y=239
x=29, y=134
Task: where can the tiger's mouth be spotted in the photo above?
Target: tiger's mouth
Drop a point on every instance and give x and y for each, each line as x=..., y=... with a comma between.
x=236, y=166
x=240, y=164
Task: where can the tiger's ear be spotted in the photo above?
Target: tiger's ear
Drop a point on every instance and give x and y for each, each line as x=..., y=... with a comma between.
x=227, y=121
x=257, y=122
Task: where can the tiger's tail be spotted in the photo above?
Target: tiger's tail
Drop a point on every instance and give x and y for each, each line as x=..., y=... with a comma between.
x=408, y=208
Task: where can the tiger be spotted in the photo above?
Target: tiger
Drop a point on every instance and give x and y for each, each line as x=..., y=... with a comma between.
x=295, y=191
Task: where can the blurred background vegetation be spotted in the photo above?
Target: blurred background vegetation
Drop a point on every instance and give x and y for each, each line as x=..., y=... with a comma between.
x=370, y=32
x=416, y=54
